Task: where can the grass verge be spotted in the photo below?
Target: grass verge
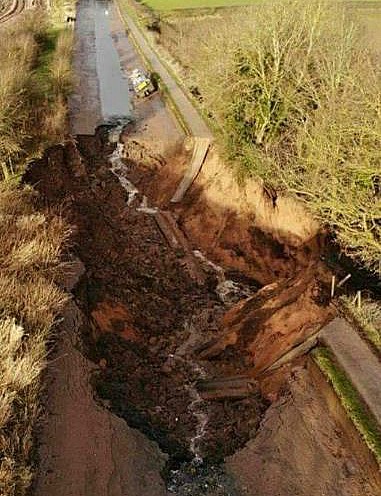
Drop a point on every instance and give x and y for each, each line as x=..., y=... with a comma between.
x=351, y=401
x=366, y=317
x=35, y=57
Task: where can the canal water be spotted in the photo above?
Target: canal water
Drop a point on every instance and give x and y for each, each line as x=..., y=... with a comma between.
x=101, y=89
x=113, y=82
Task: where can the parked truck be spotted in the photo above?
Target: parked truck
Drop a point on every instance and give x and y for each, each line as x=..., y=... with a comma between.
x=141, y=83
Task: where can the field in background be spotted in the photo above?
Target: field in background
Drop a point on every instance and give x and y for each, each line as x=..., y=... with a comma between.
x=195, y=4
x=166, y=5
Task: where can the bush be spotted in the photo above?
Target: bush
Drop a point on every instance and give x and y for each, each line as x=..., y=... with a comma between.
x=297, y=102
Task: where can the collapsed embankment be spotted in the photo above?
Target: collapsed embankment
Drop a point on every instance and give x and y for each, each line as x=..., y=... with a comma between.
x=151, y=312
x=252, y=232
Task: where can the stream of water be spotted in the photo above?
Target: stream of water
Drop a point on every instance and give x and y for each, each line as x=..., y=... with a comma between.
x=194, y=477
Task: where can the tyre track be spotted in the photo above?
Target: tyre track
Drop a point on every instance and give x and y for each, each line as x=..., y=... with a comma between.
x=15, y=8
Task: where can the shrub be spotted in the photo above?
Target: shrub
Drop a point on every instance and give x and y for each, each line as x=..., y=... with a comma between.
x=296, y=101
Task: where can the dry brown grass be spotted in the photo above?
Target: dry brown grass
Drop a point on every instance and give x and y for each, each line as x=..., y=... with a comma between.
x=30, y=301
x=61, y=79
x=34, y=82
x=17, y=54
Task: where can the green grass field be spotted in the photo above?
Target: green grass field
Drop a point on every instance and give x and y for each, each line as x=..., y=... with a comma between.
x=195, y=4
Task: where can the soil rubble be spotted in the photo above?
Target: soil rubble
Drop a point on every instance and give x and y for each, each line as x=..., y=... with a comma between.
x=157, y=331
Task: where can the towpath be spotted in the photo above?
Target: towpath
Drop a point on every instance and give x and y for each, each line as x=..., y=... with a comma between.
x=359, y=362
x=193, y=120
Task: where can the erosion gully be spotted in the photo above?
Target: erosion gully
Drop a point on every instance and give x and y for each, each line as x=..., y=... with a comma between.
x=147, y=310
x=147, y=316
x=177, y=315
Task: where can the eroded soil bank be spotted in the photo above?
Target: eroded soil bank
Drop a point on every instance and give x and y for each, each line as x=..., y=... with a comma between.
x=157, y=322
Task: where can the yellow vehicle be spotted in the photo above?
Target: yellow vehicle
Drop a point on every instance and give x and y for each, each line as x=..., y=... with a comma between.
x=141, y=83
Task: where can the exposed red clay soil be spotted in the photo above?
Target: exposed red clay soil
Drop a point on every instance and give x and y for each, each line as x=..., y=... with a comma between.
x=294, y=302
x=114, y=317
x=218, y=219
x=277, y=318
x=84, y=449
x=140, y=306
x=292, y=306
x=138, y=287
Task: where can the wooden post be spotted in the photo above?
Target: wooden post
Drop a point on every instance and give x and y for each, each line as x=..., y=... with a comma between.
x=344, y=280
x=333, y=286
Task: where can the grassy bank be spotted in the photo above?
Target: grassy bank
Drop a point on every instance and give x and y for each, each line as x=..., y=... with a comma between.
x=195, y=4
x=34, y=82
x=294, y=96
